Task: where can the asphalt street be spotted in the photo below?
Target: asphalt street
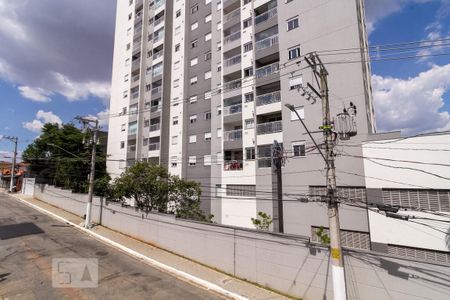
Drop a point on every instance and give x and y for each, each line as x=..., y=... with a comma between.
x=30, y=241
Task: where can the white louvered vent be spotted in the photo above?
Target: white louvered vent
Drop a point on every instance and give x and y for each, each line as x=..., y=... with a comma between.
x=349, y=239
x=418, y=253
x=420, y=199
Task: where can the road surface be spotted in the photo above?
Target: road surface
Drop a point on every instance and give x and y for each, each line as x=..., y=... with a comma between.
x=30, y=240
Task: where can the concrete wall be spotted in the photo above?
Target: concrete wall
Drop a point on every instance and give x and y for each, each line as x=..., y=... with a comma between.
x=281, y=262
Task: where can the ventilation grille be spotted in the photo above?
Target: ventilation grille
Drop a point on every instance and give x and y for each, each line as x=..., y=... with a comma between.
x=420, y=199
x=418, y=253
x=349, y=239
x=347, y=193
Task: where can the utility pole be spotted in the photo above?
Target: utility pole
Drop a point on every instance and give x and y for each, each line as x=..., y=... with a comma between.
x=15, y=140
x=86, y=122
x=277, y=161
x=337, y=262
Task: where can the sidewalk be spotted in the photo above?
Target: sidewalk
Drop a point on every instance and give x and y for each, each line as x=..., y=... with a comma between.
x=222, y=280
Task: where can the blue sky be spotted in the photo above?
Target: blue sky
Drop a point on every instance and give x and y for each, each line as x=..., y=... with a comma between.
x=54, y=68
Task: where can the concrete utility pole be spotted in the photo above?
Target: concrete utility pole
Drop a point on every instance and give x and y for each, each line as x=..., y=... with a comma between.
x=86, y=122
x=277, y=161
x=337, y=262
x=15, y=140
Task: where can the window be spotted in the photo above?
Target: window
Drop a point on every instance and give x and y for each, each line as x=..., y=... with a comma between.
x=124, y=111
x=208, y=115
x=126, y=78
x=247, y=22
x=122, y=144
x=173, y=161
x=247, y=1
x=250, y=153
x=219, y=46
x=193, y=119
x=241, y=190
x=123, y=127
x=193, y=99
x=178, y=13
x=248, y=47
x=193, y=80
x=208, y=37
x=192, y=161
x=295, y=82
x=146, y=123
x=145, y=142
x=176, y=83
x=194, y=26
x=157, y=69
x=125, y=94
x=207, y=136
x=175, y=140
x=219, y=110
x=194, y=44
x=219, y=132
x=128, y=46
x=130, y=16
x=219, y=25
x=194, y=61
x=177, y=47
x=177, y=30
x=248, y=72
x=175, y=120
x=249, y=97
x=208, y=55
x=292, y=23
x=192, y=139
x=208, y=18
x=294, y=52
x=127, y=62
x=301, y=112
x=299, y=149
x=132, y=128
x=249, y=123
x=207, y=160
x=219, y=67
x=208, y=75
x=194, y=8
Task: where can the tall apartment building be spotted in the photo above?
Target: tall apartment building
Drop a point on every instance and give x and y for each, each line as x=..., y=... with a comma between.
x=199, y=86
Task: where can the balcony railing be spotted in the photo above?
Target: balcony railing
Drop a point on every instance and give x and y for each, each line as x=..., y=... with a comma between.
x=158, y=54
x=266, y=16
x=264, y=162
x=158, y=4
x=231, y=85
x=137, y=45
x=270, y=127
x=138, y=17
x=156, y=90
x=267, y=70
x=232, y=15
x=136, y=78
x=136, y=64
x=153, y=146
x=232, y=37
x=155, y=108
x=158, y=37
x=233, y=165
x=155, y=127
x=138, y=30
x=131, y=148
x=233, y=135
x=159, y=21
x=134, y=96
x=233, y=60
x=232, y=109
x=267, y=42
x=268, y=98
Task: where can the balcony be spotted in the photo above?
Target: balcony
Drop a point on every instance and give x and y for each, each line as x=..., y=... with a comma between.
x=131, y=148
x=234, y=15
x=267, y=70
x=266, y=43
x=268, y=98
x=158, y=54
x=138, y=17
x=156, y=90
x=268, y=128
x=233, y=135
x=232, y=60
x=232, y=37
x=136, y=64
x=158, y=37
x=233, y=165
x=134, y=96
x=158, y=4
x=155, y=127
x=158, y=21
x=232, y=109
x=153, y=147
x=155, y=108
x=136, y=78
x=232, y=85
x=264, y=17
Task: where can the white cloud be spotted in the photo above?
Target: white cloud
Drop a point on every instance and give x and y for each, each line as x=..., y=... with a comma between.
x=102, y=118
x=412, y=105
x=35, y=94
x=42, y=117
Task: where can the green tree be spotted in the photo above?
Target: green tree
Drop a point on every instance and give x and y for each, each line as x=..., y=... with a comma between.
x=153, y=188
x=262, y=221
x=51, y=162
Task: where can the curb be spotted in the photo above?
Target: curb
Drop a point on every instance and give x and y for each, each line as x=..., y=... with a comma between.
x=160, y=266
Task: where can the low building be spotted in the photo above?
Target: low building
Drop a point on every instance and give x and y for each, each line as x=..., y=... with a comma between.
x=411, y=175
